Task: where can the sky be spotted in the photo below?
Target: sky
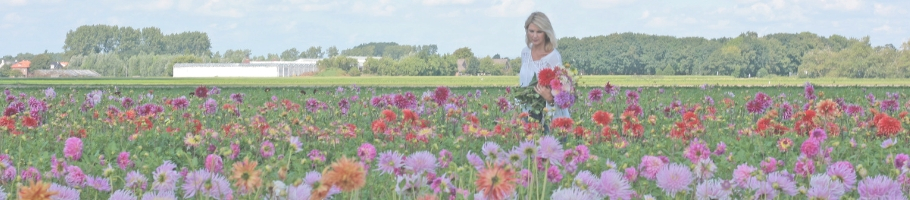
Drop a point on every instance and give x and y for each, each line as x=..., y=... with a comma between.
x=486, y=27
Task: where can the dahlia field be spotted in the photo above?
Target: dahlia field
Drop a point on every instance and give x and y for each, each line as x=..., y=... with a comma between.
x=351, y=142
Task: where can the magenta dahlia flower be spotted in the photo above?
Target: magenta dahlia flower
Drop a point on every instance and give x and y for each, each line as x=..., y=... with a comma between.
x=73, y=148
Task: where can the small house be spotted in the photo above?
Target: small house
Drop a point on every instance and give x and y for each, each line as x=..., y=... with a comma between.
x=22, y=66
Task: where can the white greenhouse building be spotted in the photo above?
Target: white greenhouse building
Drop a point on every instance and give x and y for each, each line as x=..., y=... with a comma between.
x=252, y=69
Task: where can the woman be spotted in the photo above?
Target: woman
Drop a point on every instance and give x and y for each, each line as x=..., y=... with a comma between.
x=540, y=53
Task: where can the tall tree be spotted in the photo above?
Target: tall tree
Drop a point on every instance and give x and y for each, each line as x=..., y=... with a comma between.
x=463, y=53
x=41, y=61
x=312, y=52
x=290, y=54
x=331, y=52
x=127, y=41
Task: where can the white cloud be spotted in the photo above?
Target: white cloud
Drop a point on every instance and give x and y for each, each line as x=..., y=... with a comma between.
x=690, y=20
x=304, y=5
x=511, y=8
x=763, y=10
x=446, y=2
x=160, y=5
x=603, y=3
x=152, y=5
x=12, y=17
x=380, y=8
x=881, y=9
x=185, y=5
x=451, y=14
x=846, y=5
x=290, y=26
x=721, y=24
x=223, y=26
x=115, y=21
x=14, y=2
x=645, y=14
x=660, y=22
x=778, y=4
x=883, y=28
x=223, y=9
x=317, y=7
x=768, y=11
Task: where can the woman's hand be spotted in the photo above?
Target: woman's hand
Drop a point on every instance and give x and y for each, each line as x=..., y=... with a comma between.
x=544, y=92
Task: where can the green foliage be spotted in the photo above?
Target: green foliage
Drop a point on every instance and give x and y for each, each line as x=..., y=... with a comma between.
x=41, y=61
x=331, y=72
x=290, y=54
x=234, y=56
x=488, y=67
x=143, y=51
x=140, y=65
x=410, y=66
x=340, y=62
x=667, y=71
x=331, y=51
x=389, y=49
x=272, y=57
x=431, y=65
x=463, y=53
x=312, y=52
x=858, y=60
x=472, y=65
x=14, y=73
x=128, y=42
x=516, y=65
x=181, y=59
x=377, y=66
x=354, y=71
x=779, y=54
x=5, y=71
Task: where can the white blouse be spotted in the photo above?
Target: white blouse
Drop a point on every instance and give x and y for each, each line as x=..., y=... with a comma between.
x=530, y=67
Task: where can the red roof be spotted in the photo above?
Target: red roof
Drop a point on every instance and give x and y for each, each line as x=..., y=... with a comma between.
x=22, y=64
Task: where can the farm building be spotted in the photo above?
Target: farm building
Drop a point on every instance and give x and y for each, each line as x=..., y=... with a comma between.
x=22, y=67
x=64, y=73
x=251, y=69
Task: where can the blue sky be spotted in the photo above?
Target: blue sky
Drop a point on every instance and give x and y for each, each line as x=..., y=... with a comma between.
x=487, y=27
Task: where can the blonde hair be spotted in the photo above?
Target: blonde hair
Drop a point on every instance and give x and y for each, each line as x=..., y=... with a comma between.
x=542, y=22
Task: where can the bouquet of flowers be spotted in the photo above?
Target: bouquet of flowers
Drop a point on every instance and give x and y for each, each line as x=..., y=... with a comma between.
x=562, y=83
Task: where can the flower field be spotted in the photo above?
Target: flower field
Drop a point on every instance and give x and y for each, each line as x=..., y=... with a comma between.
x=350, y=142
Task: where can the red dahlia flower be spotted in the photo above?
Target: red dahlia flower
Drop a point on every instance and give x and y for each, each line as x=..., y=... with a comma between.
x=602, y=118
x=564, y=123
x=888, y=126
x=545, y=76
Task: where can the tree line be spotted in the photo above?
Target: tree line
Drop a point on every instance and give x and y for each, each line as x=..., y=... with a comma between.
x=747, y=55
x=123, y=51
x=127, y=42
x=392, y=59
x=127, y=51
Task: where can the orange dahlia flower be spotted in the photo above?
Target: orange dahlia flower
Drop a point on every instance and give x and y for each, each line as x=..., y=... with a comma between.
x=245, y=175
x=496, y=183
x=346, y=174
x=36, y=191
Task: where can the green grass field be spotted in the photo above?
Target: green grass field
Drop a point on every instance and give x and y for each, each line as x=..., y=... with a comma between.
x=479, y=81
